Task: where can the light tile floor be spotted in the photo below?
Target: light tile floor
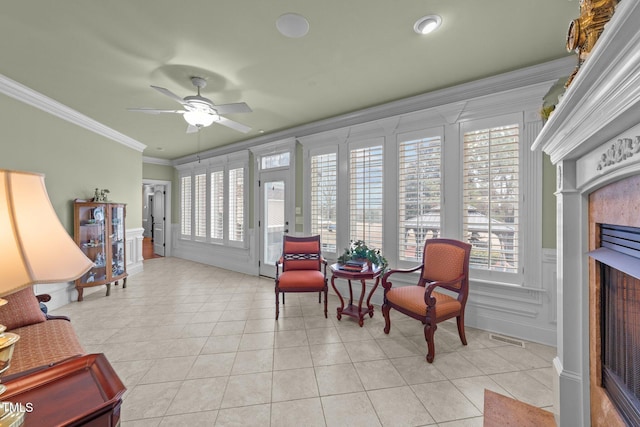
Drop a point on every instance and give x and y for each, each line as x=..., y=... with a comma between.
x=198, y=346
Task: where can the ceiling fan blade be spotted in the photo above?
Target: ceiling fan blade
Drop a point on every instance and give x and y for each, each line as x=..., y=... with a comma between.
x=192, y=129
x=170, y=94
x=233, y=125
x=155, y=111
x=238, y=107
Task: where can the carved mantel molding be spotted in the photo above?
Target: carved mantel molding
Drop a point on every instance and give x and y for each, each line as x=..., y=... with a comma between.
x=620, y=150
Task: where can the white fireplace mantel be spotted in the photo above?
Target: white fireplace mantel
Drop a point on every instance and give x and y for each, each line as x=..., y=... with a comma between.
x=603, y=99
x=601, y=106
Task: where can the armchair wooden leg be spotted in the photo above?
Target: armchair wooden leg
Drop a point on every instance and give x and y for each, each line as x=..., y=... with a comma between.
x=283, y=297
x=278, y=303
x=429, y=330
x=325, y=302
x=319, y=297
x=387, y=320
x=460, y=321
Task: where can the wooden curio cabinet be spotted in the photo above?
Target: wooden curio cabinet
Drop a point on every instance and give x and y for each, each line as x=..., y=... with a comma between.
x=99, y=230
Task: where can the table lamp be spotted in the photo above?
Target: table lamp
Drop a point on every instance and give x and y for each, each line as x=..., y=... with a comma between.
x=34, y=248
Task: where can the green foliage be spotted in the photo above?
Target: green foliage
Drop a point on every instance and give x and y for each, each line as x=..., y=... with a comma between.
x=360, y=251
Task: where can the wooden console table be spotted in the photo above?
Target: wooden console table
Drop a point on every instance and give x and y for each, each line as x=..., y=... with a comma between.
x=81, y=391
x=352, y=310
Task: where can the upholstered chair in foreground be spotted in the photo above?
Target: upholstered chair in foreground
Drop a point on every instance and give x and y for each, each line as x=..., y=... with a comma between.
x=303, y=269
x=445, y=266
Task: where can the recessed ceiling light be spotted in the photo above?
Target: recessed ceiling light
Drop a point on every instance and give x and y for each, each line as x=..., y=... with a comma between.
x=292, y=25
x=427, y=24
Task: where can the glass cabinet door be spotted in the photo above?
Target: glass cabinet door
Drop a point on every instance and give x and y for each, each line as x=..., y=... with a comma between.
x=92, y=240
x=117, y=241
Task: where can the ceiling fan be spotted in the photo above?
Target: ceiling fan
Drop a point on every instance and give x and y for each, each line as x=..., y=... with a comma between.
x=199, y=111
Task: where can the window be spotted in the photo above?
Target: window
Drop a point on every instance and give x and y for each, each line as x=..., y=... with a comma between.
x=217, y=205
x=365, y=195
x=491, y=197
x=213, y=200
x=419, y=194
x=274, y=161
x=236, y=204
x=463, y=172
x=200, y=206
x=323, y=199
x=185, y=205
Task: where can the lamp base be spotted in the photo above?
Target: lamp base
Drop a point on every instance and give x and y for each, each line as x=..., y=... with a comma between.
x=9, y=417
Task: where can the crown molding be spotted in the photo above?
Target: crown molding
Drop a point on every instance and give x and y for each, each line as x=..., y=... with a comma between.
x=534, y=75
x=156, y=161
x=31, y=97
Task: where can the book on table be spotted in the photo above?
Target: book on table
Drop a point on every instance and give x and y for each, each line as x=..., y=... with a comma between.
x=354, y=265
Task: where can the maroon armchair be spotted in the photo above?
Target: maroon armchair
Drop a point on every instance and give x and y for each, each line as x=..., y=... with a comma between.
x=445, y=265
x=303, y=269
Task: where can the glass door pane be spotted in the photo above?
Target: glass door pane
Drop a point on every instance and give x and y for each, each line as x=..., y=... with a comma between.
x=275, y=224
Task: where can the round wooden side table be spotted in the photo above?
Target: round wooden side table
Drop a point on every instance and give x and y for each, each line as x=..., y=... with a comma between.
x=356, y=311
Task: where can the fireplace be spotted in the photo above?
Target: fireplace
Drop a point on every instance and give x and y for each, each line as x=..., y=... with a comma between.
x=614, y=303
x=593, y=139
x=618, y=262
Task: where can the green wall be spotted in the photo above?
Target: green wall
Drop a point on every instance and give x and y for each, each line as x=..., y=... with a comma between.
x=159, y=172
x=74, y=160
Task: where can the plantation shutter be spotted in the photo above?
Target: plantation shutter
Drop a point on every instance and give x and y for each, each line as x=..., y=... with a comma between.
x=491, y=196
x=323, y=199
x=200, y=206
x=217, y=205
x=185, y=203
x=236, y=204
x=365, y=194
x=419, y=194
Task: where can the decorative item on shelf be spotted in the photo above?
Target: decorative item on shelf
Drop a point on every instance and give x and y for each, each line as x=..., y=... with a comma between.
x=359, y=256
x=552, y=98
x=100, y=195
x=583, y=32
x=28, y=223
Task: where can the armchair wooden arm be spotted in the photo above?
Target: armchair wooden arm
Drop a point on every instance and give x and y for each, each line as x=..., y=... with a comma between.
x=46, y=298
x=386, y=284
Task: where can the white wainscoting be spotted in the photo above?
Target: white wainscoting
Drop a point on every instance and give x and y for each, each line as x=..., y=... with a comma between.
x=64, y=293
x=242, y=260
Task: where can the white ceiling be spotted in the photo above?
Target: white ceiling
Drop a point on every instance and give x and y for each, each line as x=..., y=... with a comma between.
x=99, y=57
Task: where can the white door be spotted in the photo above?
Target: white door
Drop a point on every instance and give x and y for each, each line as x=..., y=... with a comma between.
x=274, y=221
x=158, y=221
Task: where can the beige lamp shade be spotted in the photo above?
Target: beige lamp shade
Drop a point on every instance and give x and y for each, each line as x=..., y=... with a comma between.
x=34, y=246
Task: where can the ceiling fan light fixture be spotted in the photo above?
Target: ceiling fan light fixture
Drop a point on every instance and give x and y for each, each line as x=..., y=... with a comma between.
x=427, y=24
x=200, y=118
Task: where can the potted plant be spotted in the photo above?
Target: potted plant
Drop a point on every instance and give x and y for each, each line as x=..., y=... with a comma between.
x=359, y=251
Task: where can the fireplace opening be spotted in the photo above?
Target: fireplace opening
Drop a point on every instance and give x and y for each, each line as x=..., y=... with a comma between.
x=619, y=260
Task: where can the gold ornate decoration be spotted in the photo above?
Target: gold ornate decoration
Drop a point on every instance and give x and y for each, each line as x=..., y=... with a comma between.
x=584, y=31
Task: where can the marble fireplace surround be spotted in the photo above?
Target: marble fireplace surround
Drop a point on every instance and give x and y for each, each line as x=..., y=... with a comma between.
x=617, y=203
x=593, y=139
